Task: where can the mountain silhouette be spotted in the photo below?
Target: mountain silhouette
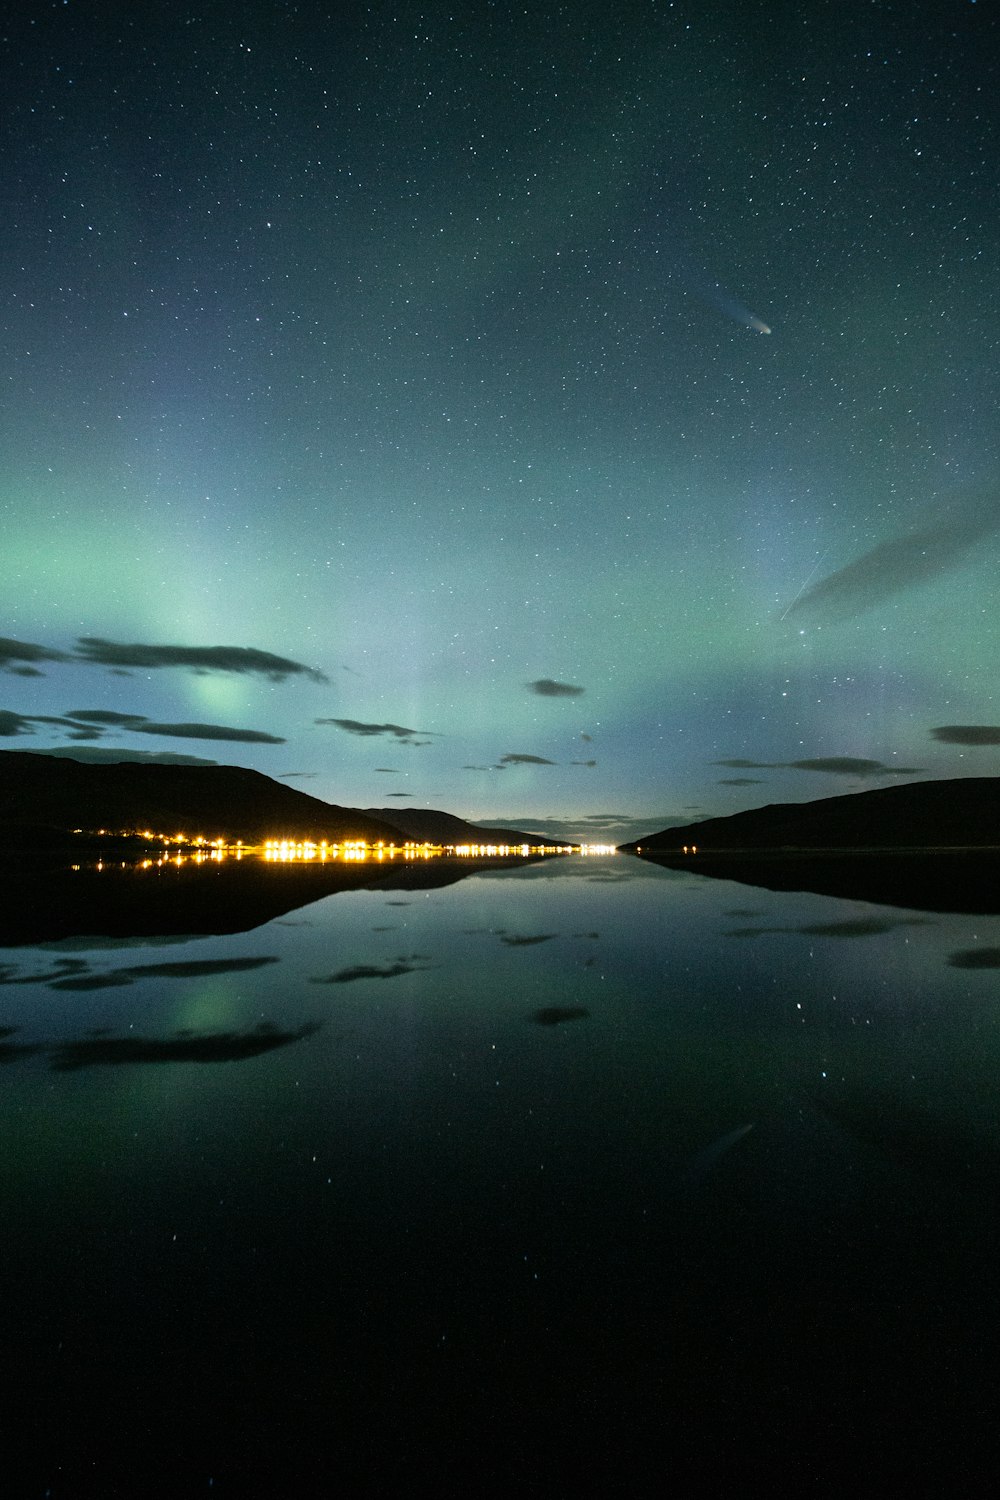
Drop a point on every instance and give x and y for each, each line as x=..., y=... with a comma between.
x=42, y=798
x=934, y=846
x=958, y=814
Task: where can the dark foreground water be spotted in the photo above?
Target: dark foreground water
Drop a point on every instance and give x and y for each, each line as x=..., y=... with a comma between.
x=587, y=1177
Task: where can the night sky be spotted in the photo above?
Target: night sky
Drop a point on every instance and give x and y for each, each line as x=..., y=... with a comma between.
x=580, y=416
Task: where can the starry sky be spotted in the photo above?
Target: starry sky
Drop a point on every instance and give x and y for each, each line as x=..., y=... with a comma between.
x=578, y=416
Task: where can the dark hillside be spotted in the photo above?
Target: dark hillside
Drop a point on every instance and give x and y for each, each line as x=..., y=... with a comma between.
x=960, y=814
x=41, y=797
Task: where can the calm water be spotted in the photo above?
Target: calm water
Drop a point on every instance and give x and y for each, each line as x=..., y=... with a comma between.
x=581, y=1176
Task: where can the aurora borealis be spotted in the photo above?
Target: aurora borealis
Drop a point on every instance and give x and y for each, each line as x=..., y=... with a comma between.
x=578, y=417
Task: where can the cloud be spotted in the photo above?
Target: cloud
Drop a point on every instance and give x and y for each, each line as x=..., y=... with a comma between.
x=833, y=765
x=749, y=765
x=244, y=660
x=367, y=731
x=526, y=940
x=90, y=724
x=896, y=565
x=26, y=653
x=113, y=757
x=208, y=732
x=526, y=760
x=545, y=687
x=967, y=734
x=583, y=762
x=12, y=724
x=741, y=781
x=399, y=794
x=104, y=716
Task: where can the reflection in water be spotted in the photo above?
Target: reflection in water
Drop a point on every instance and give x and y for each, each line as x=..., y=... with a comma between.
x=943, y=1145
x=947, y=880
x=197, y=968
x=218, y=1047
x=39, y=904
x=456, y=1241
x=699, y=1167
x=75, y=974
x=975, y=958
x=99, y=1048
x=372, y=971
x=851, y=927
x=554, y=1015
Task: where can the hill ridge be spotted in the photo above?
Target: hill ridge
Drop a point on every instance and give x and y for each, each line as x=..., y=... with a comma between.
x=962, y=812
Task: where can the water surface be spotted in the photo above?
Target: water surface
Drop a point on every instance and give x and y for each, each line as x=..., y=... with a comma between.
x=555, y=1177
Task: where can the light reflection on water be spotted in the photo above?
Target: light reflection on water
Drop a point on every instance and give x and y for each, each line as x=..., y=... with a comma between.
x=551, y=1169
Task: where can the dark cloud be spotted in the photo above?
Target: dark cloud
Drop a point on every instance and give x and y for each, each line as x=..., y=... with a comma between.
x=749, y=765
x=833, y=765
x=399, y=794
x=583, y=762
x=386, y=770
x=12, y=652
x=967, y=734
x=12, y=724
x=898, y=564
x=208, y=732
x=484, y=768
x=849, y=765
x=105, y=716
x=741, y=781
x=527, y=940
x=586, y=737
x=113, y=757
x=545, y=687
x=525, y=760
x=240, y=659
x=369, y=731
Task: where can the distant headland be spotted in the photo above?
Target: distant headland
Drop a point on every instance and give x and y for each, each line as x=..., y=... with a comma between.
x=959, y=814
x=934, y=845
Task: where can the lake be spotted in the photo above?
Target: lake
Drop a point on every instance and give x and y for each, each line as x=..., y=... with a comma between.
x=582, y=1175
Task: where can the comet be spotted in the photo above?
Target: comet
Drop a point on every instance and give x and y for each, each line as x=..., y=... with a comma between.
x=713, y=293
